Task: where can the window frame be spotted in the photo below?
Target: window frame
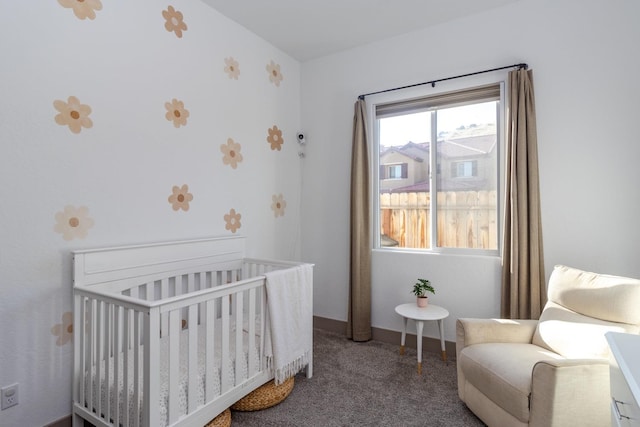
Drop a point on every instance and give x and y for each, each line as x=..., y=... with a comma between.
x=416, y=94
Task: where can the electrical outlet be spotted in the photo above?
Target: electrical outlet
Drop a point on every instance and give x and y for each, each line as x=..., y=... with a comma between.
x=9, y=396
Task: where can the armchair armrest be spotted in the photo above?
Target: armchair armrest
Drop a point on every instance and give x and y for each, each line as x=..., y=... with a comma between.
x=477, y=331
x=570, y=392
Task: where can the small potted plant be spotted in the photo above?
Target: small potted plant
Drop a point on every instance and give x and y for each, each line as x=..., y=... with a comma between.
x=420, y=289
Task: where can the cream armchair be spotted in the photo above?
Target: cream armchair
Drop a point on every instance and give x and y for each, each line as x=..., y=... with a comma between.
x=553, y=371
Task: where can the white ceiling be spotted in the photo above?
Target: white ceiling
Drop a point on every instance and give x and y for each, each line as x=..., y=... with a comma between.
x=308, y=29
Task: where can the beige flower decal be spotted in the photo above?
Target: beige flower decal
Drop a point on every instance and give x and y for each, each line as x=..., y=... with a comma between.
x=64, y=330
x=232, y=68
x=275, y=138
x=231, y=151
x=233, y=220
x=278, y=205
x=82, y=8
x=73, y=114
x=275, y=76
x=174, y=21
x=176, y=112
x=73, y=223
x=180, y=198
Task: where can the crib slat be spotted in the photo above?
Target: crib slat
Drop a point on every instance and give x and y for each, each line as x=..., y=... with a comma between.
x=263, y=326
x=224, y=360
x=126, y=340
x=251, y=369
x=106, y=357
x=136, y=368
x=193, y=358
x=99, y=357
x=239, y=328
x=210, y=349
x=151, y=368
x=117, y=363
x=81, y=325
x=164, y=318
x=174, y=364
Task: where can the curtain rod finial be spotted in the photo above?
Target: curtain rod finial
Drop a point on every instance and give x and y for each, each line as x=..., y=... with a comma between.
x=361, y=97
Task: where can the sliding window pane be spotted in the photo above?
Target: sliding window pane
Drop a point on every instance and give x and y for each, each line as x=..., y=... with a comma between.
x=467, y=177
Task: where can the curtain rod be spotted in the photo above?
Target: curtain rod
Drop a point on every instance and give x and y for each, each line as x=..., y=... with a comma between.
x=521, y=66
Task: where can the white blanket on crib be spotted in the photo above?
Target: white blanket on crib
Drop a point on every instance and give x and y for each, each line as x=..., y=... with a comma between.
x=290, y=302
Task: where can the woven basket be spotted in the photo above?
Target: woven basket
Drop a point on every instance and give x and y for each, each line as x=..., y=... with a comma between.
x=222, y=420
x=265, y=396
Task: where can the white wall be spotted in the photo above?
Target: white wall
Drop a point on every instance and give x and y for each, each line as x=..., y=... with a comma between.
x=125, y=65
x=585, y=62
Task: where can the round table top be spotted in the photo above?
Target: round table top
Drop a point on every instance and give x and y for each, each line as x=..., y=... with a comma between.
x=430, y=312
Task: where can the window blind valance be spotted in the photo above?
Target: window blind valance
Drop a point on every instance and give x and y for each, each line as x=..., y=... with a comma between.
x=449, y=99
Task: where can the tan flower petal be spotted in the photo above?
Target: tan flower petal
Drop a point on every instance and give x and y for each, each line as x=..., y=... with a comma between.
x=82, y=8
x=176, y=113
x=73, y=114
x=231, y=151
x=275, y=76
x=174, y=21
x=232, y=68
x=279, y=204
x=180, y=198
x=73, y=223
x=64, y=330
x=275, y=138
x=232, y=220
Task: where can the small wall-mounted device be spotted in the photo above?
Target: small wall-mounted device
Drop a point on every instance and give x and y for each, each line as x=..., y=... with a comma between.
x=302, y=139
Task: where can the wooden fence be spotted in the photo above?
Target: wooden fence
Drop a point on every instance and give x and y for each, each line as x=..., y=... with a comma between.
x=465, y=219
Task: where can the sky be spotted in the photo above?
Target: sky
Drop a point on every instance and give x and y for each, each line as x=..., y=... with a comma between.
x=417, y=127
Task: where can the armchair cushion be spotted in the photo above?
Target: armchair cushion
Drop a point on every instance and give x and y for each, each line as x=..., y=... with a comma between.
x=503, y=371
x=581, y=307
x=602, y=296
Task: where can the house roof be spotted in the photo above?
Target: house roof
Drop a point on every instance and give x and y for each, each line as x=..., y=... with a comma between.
x=467, y=147
x=414, y=151
x=447, y=185
x=470, y=146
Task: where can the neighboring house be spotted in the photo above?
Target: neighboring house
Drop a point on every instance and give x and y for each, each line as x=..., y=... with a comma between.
x=404, y=166
x=465, y=163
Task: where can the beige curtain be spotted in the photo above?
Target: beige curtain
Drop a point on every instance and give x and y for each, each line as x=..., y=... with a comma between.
x=523, y=279
x=359, y=318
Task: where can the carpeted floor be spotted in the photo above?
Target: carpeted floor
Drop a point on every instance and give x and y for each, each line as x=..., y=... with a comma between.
x=367, y=384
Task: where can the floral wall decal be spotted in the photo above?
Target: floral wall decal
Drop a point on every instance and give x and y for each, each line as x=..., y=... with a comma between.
x=73, y=223
x=232, y=220
x=73, y=114
x=275, y=76
x=278, y=205
x=275, y=138
x=180, y=198
x=64, y=330
x=174, y=21
x=176, y=112
x=231, y=151
x=82, y=8
x=232, y=68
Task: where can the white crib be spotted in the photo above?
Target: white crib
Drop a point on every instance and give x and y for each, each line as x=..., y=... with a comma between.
x=168, y=334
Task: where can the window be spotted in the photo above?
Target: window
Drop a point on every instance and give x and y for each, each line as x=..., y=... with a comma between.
x=399, y=171
x=466, y=169
x=438, y=163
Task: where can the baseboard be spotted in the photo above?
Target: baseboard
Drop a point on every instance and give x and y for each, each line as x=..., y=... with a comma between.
x=62, y=422
x=429, y=344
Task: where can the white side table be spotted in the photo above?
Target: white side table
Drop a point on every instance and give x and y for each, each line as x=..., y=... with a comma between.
x=420, y=314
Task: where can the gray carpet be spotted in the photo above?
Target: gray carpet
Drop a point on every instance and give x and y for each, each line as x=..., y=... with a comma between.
x=367, y=384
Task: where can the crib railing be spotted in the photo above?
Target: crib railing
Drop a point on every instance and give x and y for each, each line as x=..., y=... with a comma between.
x=118, y=334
